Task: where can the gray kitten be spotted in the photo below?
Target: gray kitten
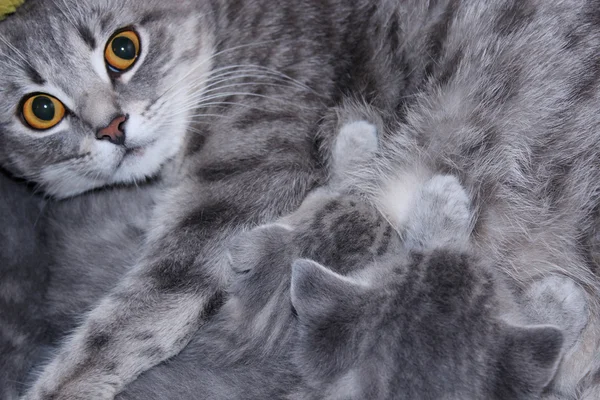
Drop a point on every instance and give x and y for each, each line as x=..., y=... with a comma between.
x=410, y=315
x=427, y=319
x=500, y=94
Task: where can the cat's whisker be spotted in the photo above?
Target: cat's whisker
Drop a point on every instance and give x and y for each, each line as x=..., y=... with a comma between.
x=16, y=51
x=203, y=99
x=208, y=60
x=217, y=89
x=200, y=83
x=247, y=94
x=247, y=73
x=208, y=101
x=69, y=17
x=211, y=74
x=233, y=72
x=274, y=72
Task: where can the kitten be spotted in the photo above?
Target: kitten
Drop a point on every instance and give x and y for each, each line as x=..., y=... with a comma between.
x=411, y=315
x=500, y=94
x=432, y=329
x=428, y=320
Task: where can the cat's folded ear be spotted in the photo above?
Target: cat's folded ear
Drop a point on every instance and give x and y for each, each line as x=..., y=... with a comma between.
x=528, y=361
x=317, y=291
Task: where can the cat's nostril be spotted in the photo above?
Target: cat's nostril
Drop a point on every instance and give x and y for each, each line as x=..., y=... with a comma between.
x=115, y=131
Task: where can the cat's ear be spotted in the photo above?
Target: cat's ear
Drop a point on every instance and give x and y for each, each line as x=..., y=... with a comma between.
x=529, y=359
x=250, y=249
x=317, y=291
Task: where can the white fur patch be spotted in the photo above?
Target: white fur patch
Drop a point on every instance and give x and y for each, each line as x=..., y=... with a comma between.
x=398, y=195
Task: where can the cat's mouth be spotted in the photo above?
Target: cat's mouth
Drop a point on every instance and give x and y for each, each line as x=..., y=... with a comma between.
x=134, y=151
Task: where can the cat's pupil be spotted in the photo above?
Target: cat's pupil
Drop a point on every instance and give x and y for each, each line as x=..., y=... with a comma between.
x=124, y=48
x=43, y=108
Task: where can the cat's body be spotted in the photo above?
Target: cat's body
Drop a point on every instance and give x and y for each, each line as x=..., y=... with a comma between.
x=501, y=94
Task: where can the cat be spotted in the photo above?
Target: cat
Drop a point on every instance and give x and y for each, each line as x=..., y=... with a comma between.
x=218, y=101
x=501, y=95
x=412, y=316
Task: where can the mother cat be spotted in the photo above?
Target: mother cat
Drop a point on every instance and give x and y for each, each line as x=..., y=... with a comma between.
x=216, y=97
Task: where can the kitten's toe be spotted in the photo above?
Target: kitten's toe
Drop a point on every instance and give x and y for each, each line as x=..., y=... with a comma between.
x=358, y=136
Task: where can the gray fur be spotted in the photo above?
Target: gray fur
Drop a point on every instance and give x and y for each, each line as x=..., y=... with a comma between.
x=500, y=94
x=418, y=319
x=252, y=162
x=23, y=278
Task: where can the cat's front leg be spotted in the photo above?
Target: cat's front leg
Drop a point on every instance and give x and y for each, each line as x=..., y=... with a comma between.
x=176, y=287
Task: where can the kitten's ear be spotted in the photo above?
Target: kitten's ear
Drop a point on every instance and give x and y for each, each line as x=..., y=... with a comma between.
x=529, y=360
x=317, y=290
x=248, y=250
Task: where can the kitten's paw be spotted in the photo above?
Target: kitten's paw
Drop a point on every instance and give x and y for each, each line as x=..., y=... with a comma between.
x=442, y=212
x=449, y=197
x=248, y=249
x=356, y=141
x=559, y=301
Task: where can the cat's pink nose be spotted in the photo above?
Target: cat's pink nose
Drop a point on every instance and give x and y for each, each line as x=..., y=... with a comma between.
x=114, y=132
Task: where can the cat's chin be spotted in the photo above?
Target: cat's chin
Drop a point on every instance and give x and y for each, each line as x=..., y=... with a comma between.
x=144, y=162
x=130, y=166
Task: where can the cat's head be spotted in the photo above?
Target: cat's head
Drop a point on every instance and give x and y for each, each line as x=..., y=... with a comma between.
x=429, y=331
x=94, y=93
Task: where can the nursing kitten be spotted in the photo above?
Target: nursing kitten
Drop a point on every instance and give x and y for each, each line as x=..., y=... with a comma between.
x=427, y=319
x=409, y=316
x=500, y=94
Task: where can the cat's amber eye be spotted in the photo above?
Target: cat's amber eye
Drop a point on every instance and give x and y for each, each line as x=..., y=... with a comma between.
x=122, y=50
x=42, y=111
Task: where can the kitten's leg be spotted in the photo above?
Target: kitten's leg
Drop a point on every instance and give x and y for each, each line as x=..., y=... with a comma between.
x=441, y=214
x=180, y=282
x=356, y=144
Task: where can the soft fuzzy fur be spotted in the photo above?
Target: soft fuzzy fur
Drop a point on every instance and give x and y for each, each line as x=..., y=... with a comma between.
x=501, y=94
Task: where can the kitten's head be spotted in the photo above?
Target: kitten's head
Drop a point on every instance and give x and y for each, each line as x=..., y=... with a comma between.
x=94, y=93
x=428, y=331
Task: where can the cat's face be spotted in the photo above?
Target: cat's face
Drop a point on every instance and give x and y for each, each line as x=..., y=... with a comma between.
x=429, y=331
x=133, y=67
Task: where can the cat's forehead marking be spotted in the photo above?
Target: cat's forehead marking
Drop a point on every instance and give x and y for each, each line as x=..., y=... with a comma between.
x=88, y=37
